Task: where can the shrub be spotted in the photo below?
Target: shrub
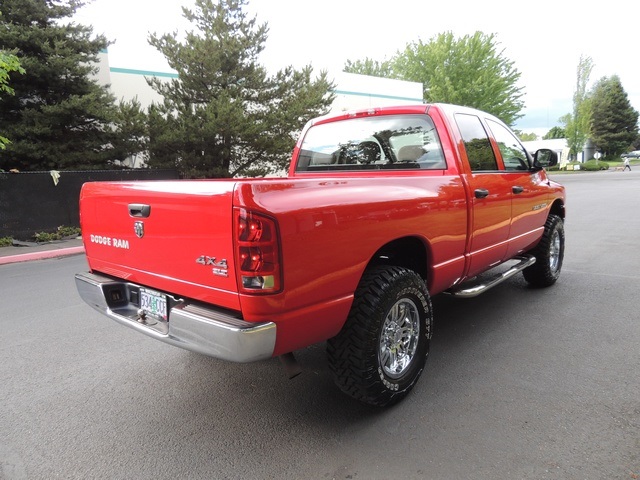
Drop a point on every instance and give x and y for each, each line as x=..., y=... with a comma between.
x=62, y=232
x=6, y=241
x=68, y=231
x=595, y=165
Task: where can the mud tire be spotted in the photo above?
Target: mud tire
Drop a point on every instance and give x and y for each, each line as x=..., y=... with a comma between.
x=381, y=351
x=549, y=255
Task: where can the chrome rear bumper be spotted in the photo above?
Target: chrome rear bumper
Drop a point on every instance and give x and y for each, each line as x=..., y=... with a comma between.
x=204, y=330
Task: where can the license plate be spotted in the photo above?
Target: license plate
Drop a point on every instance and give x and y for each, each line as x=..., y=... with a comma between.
x=153, y=303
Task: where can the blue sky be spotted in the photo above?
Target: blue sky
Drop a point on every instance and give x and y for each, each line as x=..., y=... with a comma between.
x=544, y=39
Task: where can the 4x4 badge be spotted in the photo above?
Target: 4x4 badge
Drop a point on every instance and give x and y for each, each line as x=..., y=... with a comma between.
x=138, y=227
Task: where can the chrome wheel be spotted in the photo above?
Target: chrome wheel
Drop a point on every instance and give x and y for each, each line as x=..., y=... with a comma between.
x=554, y=251
x=549, y=254
x=399, y=338
x=382, y=348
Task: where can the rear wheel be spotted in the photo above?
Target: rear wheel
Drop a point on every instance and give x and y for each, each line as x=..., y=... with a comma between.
x=549, y=255
x=381, y=351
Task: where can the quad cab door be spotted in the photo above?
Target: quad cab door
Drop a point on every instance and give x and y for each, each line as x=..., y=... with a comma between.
x=529, y=188
x=491, y=194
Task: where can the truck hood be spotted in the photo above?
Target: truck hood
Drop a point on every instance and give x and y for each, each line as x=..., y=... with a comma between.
x=176, y=236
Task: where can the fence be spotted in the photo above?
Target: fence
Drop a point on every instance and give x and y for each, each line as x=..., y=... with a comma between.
x=42, y=201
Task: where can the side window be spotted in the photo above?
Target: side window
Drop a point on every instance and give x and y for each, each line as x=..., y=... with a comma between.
x=477, y=143
x=513, y=153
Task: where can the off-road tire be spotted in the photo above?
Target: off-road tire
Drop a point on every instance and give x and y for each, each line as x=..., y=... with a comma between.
x=381, y=351
x=549, y=255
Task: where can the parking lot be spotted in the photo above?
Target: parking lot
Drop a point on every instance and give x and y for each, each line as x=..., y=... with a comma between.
x=521, y=383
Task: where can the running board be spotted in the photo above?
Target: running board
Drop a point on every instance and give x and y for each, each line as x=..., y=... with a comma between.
x=468, y=291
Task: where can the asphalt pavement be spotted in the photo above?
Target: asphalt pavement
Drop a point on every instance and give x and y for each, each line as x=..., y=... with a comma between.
x=521, y=383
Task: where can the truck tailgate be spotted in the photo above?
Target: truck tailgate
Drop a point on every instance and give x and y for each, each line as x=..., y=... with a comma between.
x=172, y=236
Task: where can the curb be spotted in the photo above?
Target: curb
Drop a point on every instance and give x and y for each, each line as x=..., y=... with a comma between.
x=25, y=257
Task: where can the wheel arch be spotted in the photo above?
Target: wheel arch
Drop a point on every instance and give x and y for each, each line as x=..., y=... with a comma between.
x=409, y=252
x=557, y=208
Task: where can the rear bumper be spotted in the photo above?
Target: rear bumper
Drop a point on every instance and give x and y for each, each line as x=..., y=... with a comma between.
x=209, y=331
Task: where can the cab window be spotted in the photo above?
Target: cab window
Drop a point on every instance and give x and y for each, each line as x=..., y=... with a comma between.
x=476, y=143
x=388, y=142
x=513, y=153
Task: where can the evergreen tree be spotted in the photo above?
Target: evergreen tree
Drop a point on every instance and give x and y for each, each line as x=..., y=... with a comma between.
x=59, y=117
x=614, y=122
x=223, y=115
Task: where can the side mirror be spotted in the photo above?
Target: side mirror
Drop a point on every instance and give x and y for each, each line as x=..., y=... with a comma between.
x=544, y=158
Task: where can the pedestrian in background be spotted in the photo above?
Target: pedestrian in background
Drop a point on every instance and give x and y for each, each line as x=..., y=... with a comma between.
x=626, y=164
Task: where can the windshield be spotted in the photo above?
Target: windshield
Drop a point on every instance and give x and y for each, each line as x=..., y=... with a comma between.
x=401, y=142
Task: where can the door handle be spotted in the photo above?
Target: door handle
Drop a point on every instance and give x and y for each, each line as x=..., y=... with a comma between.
x=139, y=210
x=517, y=189
x=481, y=193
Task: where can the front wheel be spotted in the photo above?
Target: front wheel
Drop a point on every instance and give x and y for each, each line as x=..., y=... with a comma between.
x=381, y=351
x=549, y=255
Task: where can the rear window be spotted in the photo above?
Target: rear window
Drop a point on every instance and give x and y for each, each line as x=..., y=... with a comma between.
x=398, y=142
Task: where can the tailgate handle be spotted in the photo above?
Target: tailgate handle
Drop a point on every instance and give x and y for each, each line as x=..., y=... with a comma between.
x=139, y=210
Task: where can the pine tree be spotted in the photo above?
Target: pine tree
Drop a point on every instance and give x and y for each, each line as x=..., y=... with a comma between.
x=223, y=115
x=59, y=117
x=614, y=122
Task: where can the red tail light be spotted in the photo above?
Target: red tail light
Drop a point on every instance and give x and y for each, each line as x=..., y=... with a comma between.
x=257, y=252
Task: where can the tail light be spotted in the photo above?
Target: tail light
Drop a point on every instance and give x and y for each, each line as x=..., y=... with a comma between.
x=257, y=252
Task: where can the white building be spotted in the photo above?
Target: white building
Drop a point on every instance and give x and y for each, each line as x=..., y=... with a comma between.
x=352, y=91
x=558, y=145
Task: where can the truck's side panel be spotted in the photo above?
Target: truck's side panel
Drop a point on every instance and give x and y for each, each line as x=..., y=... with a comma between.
x=330, y=230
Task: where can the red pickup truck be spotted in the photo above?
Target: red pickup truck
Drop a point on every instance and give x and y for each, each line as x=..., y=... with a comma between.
x=382, y=209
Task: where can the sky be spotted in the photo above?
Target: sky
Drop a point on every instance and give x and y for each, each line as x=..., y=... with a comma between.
x=544, y=38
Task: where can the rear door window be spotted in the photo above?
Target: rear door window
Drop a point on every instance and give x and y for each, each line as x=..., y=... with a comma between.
x=476, y=142
x=514, y=156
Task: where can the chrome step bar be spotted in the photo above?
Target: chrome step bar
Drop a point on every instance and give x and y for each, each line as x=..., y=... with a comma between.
x=470, y=289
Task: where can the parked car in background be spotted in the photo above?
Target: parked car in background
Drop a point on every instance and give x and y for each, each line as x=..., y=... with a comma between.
x=634, y=154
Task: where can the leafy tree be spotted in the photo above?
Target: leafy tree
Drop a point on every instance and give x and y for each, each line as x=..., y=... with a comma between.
x=8, y=63
x=223, y=115
x=555, y=132
x=577, y=124
x=465, y=71
x=59, y=117
x=370, y=67
x=614, y=122
x=526, y=137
